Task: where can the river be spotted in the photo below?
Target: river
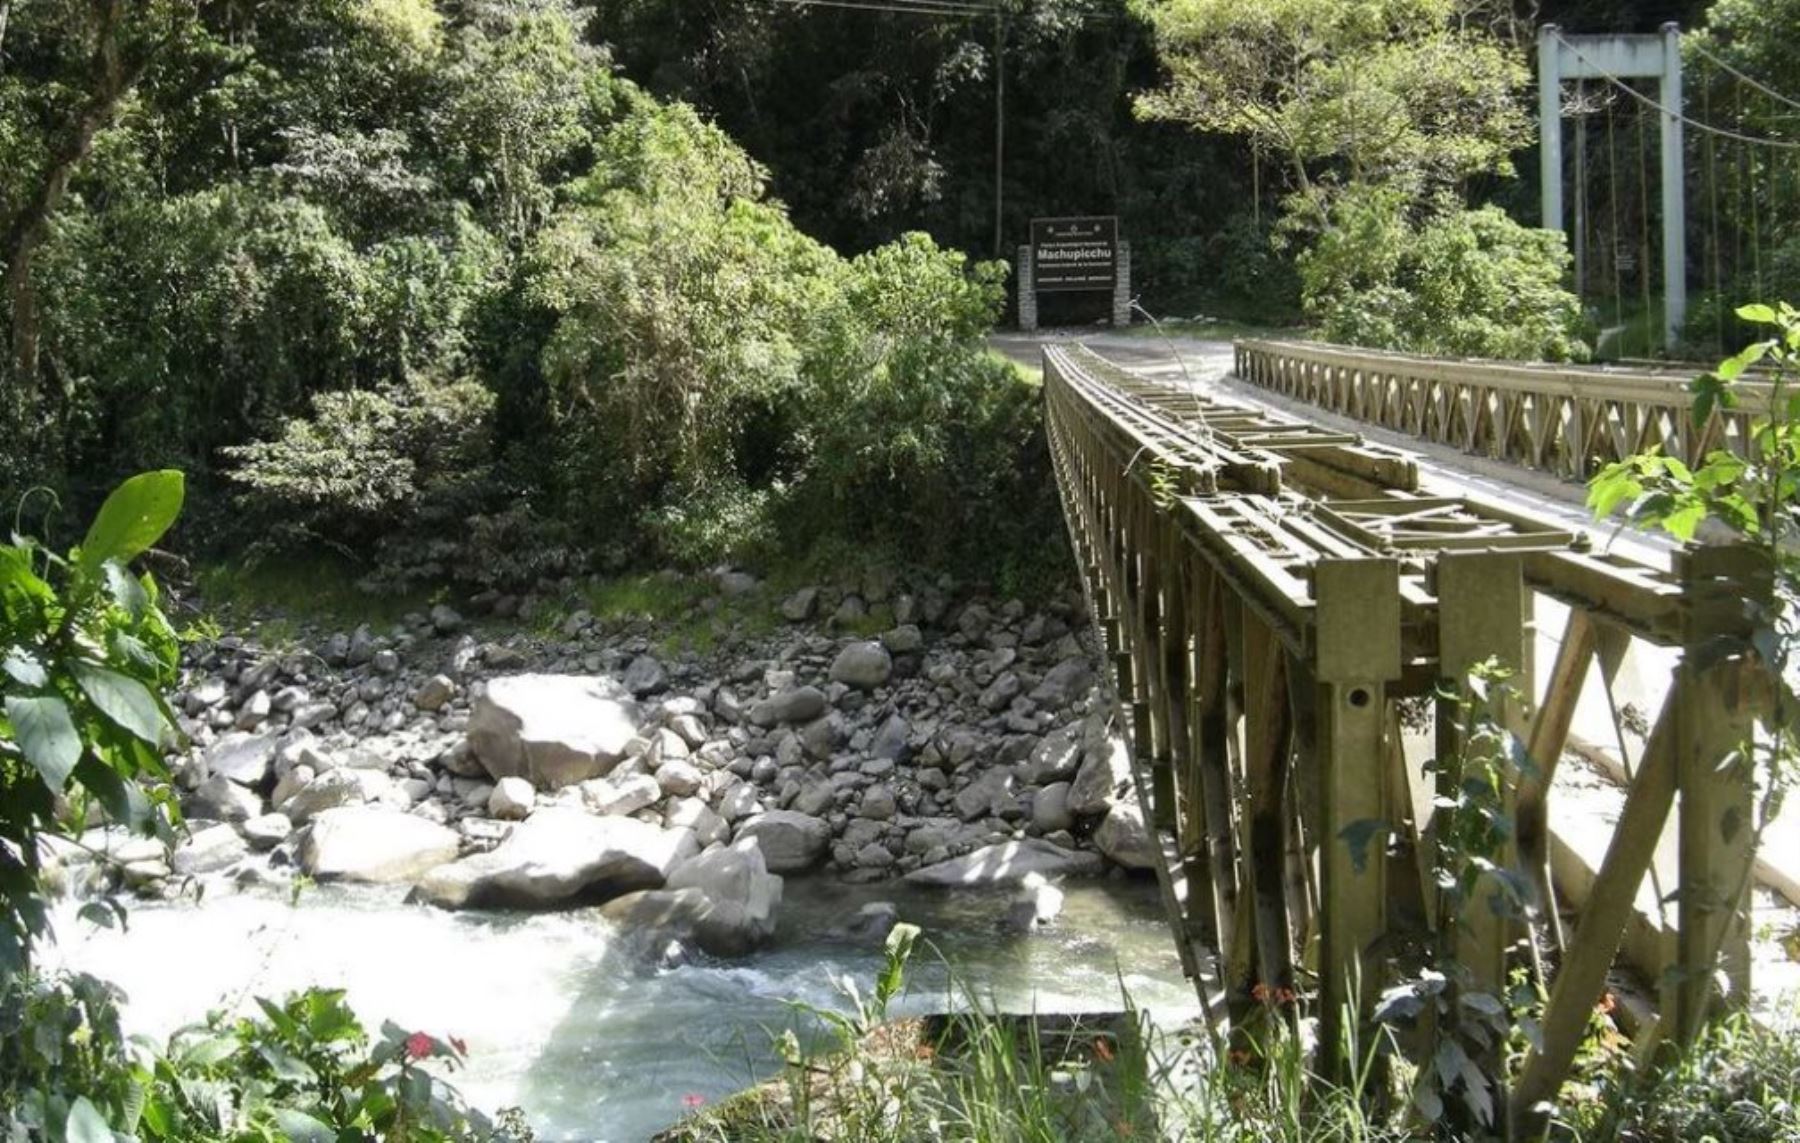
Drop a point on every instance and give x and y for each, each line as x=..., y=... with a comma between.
x=566, y=1018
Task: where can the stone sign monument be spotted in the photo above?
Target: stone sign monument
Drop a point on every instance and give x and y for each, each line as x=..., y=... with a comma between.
x=1070, y=255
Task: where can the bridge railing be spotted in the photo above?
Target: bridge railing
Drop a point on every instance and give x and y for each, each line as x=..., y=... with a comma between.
x=1563, y=420
x=1278, y=601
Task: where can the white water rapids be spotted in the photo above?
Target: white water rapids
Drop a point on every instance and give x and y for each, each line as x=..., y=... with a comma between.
x=565, y=1019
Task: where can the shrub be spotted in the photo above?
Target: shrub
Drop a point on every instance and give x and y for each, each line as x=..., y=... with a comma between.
x=1469, y=283
x=85, y=654
x=302, y=1070
x=369, y=463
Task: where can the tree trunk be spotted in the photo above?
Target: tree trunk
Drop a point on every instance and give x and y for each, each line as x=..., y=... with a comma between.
x=109, y=79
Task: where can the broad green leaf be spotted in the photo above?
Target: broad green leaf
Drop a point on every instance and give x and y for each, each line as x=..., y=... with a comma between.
x=86, y=1124
x=23, y=668
x=1683, y=521
x=122, y=699
x=16, y=574
x=123, y=800
x=286, y=1065
x=210, y=1051
x=1611, y=489
x=1732, y=367
x=134, y=517
x=46, y=734
x=299, y=1127
x=1757, y=312
x=125, y=590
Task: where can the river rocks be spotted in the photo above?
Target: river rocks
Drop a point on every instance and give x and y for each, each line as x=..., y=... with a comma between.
x=1124, y=837
x=553, y=730
x=905, y=639
x=557, y=855
x=512, y=799
x=222, y=799
x=334, y=789
x=1058, y=757
x=737, y=881
x=966, y=724
x=866, y=665
x=693, y=815
x=878, y=804
x=644, y=677
x=208, y=850
x=434, y=693
x=1105, y=775
x=678, y=777
x=266, y=831
x=445, y=620
x=361, y=843
x=984, y=795
x=1036, y=903
x=243, y=758
x=1064, y=683
x=892, y=740
x=1050, y=809
x=800, y=606
x=621, y=795
x=790, y=842
x=800, y=704
x=1008, y=863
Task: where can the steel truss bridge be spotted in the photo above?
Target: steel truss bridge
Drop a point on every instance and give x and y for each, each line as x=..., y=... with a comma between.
x=1294, y=618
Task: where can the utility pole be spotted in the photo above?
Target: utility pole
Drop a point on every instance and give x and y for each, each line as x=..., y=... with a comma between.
x=999, y=129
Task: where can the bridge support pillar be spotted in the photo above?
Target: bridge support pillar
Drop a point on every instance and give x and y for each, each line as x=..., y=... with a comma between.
x=1356, y=656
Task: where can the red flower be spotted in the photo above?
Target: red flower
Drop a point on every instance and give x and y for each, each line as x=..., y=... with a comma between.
x=419, y=1045
x=693, y=1101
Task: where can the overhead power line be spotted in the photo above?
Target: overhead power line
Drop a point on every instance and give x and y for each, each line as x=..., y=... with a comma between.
x=1701, y=51
x=1722, y=132
x=905, y=7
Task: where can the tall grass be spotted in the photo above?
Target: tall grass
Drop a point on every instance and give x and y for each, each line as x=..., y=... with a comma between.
x=981, y=1076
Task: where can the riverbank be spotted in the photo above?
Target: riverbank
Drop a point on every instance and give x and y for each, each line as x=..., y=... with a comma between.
x=885, y=750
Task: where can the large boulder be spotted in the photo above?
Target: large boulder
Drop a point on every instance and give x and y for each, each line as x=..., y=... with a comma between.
x=335, y=789
x=1063, y=683
x=985, y=795
x=208, y=850
x=512, y=799
x=800, y=704
x=791, y=842
x=1008, y=863
x=645, y=676
x=243, y=758
x=1057, y=757
x=1050, y=809
x=745, y=894
x=366, y=843
x=1123, y=836
x=222, y=800
x=1104, y=777
x=682, y=916
x=863, y=664
x=553, y=730
x=559, y=855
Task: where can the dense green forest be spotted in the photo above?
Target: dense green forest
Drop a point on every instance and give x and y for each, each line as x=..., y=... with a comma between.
x=479, y=290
